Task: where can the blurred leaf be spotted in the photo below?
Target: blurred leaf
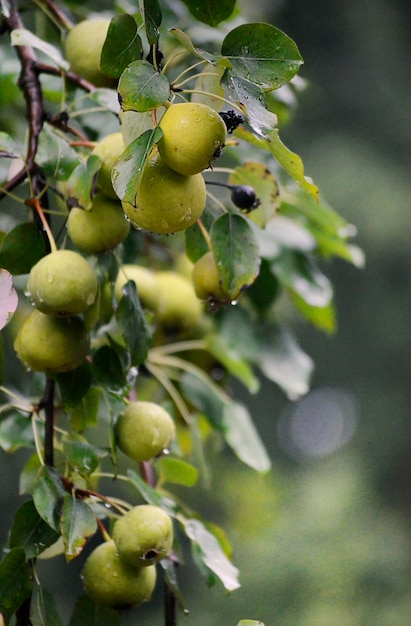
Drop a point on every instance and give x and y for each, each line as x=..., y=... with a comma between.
x=28, y=475
x=186, y=42
x=9, y=146
x=2, y=359
x=284, y=233
x=154, y=497
x=85, y=412
x=77, y=523
x=235, y=250
x=21, y=248
x=265, y=185
x=5, y=7
x=75, y=384
x=23, y=37
x=82, y=182
x=251, y=100
x=208, y=84
x=212, y=554
x=48, y=493
x=211, y=12
x=265, y=289
x=108, y=369
x=87, y=613
x=195, y=244
x=263, y=54
x=323, y=318
x=133, y=324
x=171, y=580
x=15, y=582
x=55, y=156
x=30, y=531
x=299, y=273
x=176, y=471
x=83, y=456
x=128, y=168
x=236, y=327
x=16, y=432
x=282, y=360
x=106, y=98
x=46, y=613
x=205, y=395
x=242, y=436
x=151, y=14
x=141, y=88
x=121, y=47
x=230, y=358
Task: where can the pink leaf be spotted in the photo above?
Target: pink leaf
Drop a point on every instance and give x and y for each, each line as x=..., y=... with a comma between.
x=8, y=297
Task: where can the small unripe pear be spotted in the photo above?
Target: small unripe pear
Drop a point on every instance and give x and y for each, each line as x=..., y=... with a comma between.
x=110, y=581
x=177, y=305
x=108, y=149
x=83, y=45
x=145, y=281
x=206, y=279
x=166, y=202
x=192, y=134
x=101, y=228
x=46, y=343
x=62, y=283
x=144, y=430
x=144, y=535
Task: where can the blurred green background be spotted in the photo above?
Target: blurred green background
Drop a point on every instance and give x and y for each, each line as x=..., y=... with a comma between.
x=324, y=540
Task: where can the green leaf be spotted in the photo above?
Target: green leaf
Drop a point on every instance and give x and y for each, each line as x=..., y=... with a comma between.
x=121, y=47
x=299, y=273
x=323, y=318
x=82, y=182
x=264, y=290
x=16, y=432
x=75, y=384
x=77, y=523
x=87, y=613
x=28, y=475
x=282, y=360
x=211, y=12
x=170, y=578
x=251, y=100
x=229, y=356
x=176, y=471
x=236, y=252
x=46, y=613
x=151, y=14
x=83, y=456
x=262, y=54
x=288, y=160
x=265, y=185
x=9, y=147
x=142, y=88
x=127, y=170
x=48, y=493
x=154, y=497
x=55, y=156
x=133, y=324
x=30, y=531
x=23, y=37
x=195, y=244
x=106, y=98
x=21, y=248
x=108, y=369
x=212, y=554
x=242, y=436
x=15, y=582
x=186, y=42
x=85, y=413
x=205, y=395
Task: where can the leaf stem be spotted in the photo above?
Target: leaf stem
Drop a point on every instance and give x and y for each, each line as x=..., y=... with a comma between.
x=171, y=390
x=213, y=95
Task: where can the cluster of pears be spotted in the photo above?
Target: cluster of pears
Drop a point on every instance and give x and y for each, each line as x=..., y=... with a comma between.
x=171, y=194
x=121, y=572
x=54, y=337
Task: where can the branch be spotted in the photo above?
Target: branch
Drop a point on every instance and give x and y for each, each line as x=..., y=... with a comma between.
x=47, y=403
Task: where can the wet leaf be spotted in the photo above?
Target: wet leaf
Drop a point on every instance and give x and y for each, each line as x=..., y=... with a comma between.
x=15, y=582
x=30, y=531
x=265, y=185
x=262, y=54
x=77, y=523
x=151, y=13
x=211, y=12
x=82, y=182
x=48, y=493
x=133, y=324
x=142, y=88
x=75, y=384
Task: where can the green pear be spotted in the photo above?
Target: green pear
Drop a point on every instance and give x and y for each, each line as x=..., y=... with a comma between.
x=144, y=430
x=144, y=535
x=83, y=46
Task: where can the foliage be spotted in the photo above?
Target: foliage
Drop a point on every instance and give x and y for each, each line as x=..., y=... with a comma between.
x=269, y=261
